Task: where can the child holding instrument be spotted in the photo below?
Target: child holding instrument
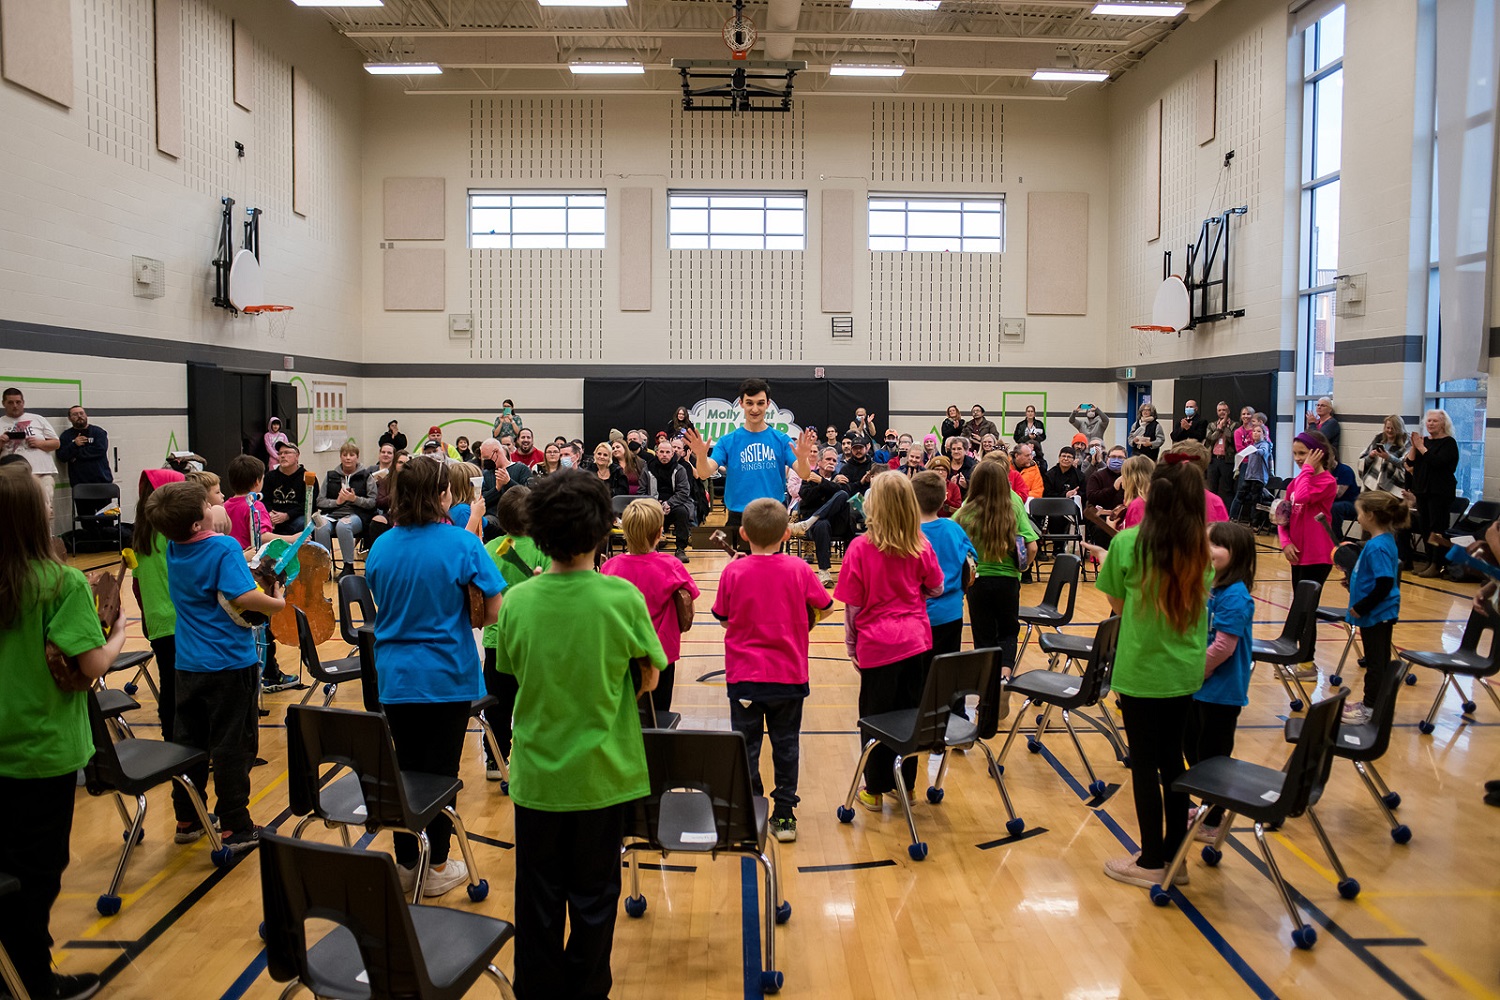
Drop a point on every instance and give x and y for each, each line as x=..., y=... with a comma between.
x=1156, y=578
x=1375, y=593
x=953, y=549
x=468, y=506
x=1226, y=685
x=248, y=522
x=158, y=616
x=518, y=559
x=763, y=603
x=658, y=577
x=216, y=683
x=568, y=636
x=44, y=731
x=887, y=576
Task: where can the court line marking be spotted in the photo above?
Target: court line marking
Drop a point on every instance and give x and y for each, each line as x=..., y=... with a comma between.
x=853, y=867
x=750, y=929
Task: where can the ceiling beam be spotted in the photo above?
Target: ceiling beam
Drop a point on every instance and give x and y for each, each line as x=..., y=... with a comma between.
x=825, y=36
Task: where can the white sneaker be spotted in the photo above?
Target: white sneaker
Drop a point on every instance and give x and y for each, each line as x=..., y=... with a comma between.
x=1356, y=714
x=799, y=528
x=825, y=578
x=439, y=881
x=407, y=877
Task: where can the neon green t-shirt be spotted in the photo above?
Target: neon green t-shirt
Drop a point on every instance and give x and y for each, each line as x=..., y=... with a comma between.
x=1024, y=530
x=522, y=551
x=569, y=639
x=44, y=732
x=158, y=613
x=1152, y=660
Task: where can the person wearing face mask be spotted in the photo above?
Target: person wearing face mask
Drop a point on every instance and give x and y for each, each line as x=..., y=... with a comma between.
x=1192, y=426
x=1092, y=456
x=1102, y=488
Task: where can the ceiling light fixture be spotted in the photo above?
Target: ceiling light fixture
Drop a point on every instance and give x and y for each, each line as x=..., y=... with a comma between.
x=848, y=69
x=581, y=3
x=1070, y=75
x=403, y=69
x=894, y=4
x=607, y=68
x=339, y=3
x=1125, y=8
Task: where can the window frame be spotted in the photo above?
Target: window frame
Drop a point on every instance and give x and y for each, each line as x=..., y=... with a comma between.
x=708, y=233
x=566, y=234
x=997, y=198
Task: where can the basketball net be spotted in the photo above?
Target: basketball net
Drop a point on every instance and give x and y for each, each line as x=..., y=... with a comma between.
x=277, y=318
x=1146, y=336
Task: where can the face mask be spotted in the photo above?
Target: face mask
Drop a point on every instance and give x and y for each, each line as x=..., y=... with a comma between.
x=566, y=461
x=1115, y=464
x=1190, y=410
x=488, y=465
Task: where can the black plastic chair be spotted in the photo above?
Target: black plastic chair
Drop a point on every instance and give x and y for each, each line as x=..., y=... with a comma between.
x=1052, y=612
x=1051, y=513
x=1299, y=635
x=1366, y=743
x=134, y=767
x=935, y=725
x=1267, y=797
x=702, y=802
x=330, y=674
x=355, y=596
x=8, y=974
x=377, y=794
x=1067, y=693
x=112, y=706
x=106, y=492
x=137, y=660
x=1333, y=615
x=381, y=948
x=1467, y=661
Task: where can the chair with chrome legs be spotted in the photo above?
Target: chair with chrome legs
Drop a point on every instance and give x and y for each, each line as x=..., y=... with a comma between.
x=702, y=801
x=1051, y=612
x=330, y=673
x=377, y=794
x=1267, y=797
x=9, y=977
x=138, y=660
x=1466, y=660
x=1334, y=615
x=380, y=947
x=355, y=596
x=1067, y=693
x=1366, y=743
x=1295, y=644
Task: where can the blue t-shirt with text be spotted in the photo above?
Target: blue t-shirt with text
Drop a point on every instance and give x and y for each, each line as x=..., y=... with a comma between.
x=754, y=464
x=208, y=640
x=1231, y=609
x=950, y=543
x=424, y=644
x=1378, y=558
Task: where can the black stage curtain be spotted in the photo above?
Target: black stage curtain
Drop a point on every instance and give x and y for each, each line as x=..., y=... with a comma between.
x=1257, y=389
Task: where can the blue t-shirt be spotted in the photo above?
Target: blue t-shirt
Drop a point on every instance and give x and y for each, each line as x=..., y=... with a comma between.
x=1231, y=609
x=754, y=464
x=459, y=514
x=197, y=573
x=952, y=547
x=424, y=644
x=1378, y=558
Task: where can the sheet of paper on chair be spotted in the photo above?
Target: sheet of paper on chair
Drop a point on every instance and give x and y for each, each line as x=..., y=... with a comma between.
x=700, y=838
x=1271, y=796
x=1353, y=741
x=363, y=977
x=360, y=810
x=1069, y=692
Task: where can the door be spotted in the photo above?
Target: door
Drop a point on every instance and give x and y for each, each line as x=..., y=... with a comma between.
x=1138, y=395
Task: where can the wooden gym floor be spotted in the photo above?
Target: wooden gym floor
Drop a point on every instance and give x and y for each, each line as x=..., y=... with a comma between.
x=983, y=916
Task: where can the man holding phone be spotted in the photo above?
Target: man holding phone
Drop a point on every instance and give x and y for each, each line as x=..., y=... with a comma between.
x=32, y=437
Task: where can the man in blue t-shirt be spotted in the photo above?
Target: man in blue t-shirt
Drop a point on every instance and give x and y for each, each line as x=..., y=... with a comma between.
x=754, y=457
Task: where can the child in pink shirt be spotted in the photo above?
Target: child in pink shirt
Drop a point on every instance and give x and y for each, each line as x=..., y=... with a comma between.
x=888, y=574
x=244, y=477
x=658, y=577
x=763, y=603
x=1306, y=543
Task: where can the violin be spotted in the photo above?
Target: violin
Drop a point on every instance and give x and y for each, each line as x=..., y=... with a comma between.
x=303, y=569
x=66, y=673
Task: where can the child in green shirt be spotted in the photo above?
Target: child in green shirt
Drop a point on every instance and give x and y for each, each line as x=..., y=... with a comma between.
x=148, y=574
x=577, y=758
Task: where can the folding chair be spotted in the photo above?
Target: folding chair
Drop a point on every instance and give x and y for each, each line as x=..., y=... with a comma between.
x=134, y=767
x=137, y=660
x=1366, y=743
x=1295, y=644
x=1067, y=693
x=1268, y=798
x=616, y=533
x=96, y=491
x=381, y=948
x=702, y=802
x=330, y=674
x=1050, y=512
x=112, y=706
x=377, y=794
x=1466, y=660
x=8, y=974
x=1048, y=614
x=1333, y=615
x=355, y=596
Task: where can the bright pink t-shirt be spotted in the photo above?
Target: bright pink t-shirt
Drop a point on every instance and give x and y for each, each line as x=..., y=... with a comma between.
x=1214, y=510
x=238, y=509
x=657, y=576
x=763, y=602
x=889, y=593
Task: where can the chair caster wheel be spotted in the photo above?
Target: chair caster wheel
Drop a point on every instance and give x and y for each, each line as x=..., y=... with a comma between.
x=107, y=905
x=1305, y=937
x=261, y=930
x=125, y=835
x=132, y=688
x=934, y=795
x=783, y=912
x=1425, y=728
x=479, y=890
x=1411, y=679
x=1212, y=856
x=221, y=857
x=328, y=689
x=1097, y=788
x=1033, y=746
x=1039, y=720
x=1401, y=834
x=1335, y=681
x=1160, y=896
x=845, y=814
x=918, y=851
x=1015, y=826
x=1295, y=704
x=1349, y=888
x=1469, y=707
x=635, y=906
x=997, y=771
x=770, y=982
x=1392, y=800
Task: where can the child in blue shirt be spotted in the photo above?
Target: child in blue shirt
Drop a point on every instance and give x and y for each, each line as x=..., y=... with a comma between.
x=1226, y=675
x=216, y=658
x=1375, y=593
x=953, y=549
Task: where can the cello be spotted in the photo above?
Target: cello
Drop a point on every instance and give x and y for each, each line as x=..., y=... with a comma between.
x=306, y=567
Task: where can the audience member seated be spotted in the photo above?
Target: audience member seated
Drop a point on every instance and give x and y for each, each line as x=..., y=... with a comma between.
x=526, y=451
x=913, y=461
x=603, y=465
x=1025, y=464
x=959, y=457
x=1345, y=492
x=1102, y=490
x=674, y=490
x=894, y=456
x=1065, y=478
x=461, y=446
x=346, y=502
x=551, y=460
x=891, y=449
x=854, y=473
x=637, y=476
x=825, y=506
x=383, y=479
x=434, y=444
x=286, y=491
x=499, y=475
x=953, y=496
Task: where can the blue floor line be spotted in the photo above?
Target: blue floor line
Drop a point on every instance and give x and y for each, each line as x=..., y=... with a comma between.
x=750, y=928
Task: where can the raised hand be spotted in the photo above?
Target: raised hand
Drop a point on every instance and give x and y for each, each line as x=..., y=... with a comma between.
x=695, y=443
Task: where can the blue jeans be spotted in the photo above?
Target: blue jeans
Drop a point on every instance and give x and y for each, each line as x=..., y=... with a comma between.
x=348, y=529
x=822, y=532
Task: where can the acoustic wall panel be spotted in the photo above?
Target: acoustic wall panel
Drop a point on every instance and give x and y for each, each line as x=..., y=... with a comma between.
x=244, y=62
x=930, y=307
x=536, y=137
x=207, y=98
x=537, y=305
x=938, y=142
x=636, y=226
x=1206, y=97
x=1057, y=259
x=36, y=47
x=838, y=251
x=414, y=279
x=302, y=157
x=414, y=208
x=1152, y=175
x=117, y=90
x=716, y=147
x=169, y=77
x=736, y=305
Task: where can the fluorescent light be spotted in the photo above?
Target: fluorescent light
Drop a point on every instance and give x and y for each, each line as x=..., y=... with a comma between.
x=1126, y=9
x=894, y=4
x=844, y=69
x=1070, y=75
x=607, y=68
x=581, y=3
x=339, y=3
x=403, y=69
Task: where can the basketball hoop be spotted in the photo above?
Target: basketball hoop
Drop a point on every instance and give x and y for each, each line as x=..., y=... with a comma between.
x=277, y=318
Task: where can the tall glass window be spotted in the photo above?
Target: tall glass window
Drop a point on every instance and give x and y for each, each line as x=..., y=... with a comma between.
x=1322, y=132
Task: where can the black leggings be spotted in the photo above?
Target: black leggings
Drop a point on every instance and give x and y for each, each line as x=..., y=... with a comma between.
x=1155, y=729
x=504, y=688
x=1433, y=514
x=429, y=737
x=889, y=688
x=1210, y=733
x=1317, y=572
x=994, y=610
x=1377, y=643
